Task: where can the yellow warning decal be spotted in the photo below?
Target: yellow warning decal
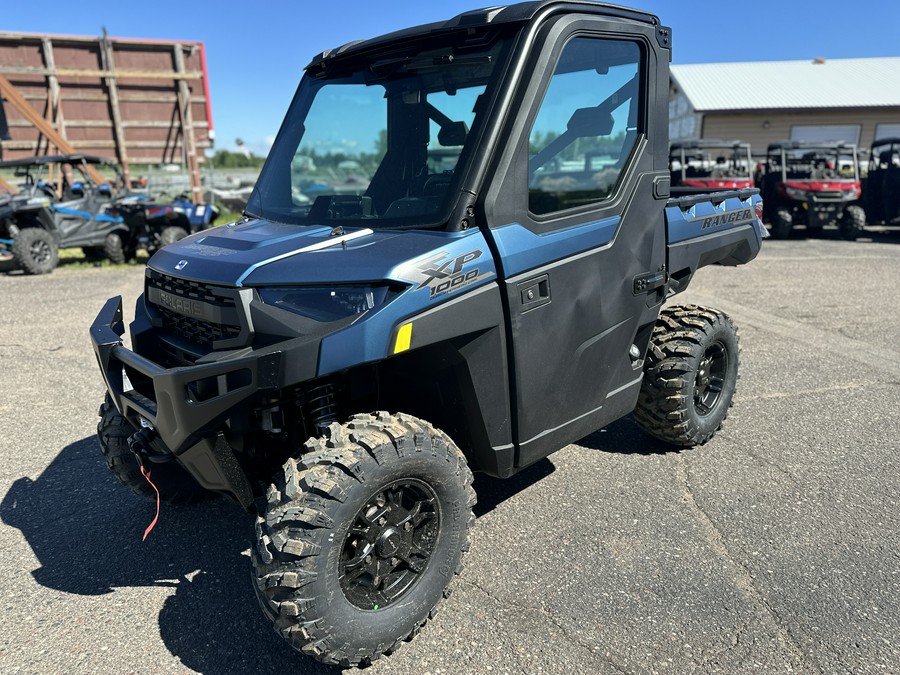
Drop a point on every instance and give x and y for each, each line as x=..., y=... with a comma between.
x=404, y=335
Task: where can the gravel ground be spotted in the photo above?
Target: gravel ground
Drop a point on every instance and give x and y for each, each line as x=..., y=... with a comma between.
x=774, y=548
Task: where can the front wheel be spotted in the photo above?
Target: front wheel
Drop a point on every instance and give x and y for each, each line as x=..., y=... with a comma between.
x=852, y=223
x=175, y=485
x=690, y=375
x=35, y=250
x=361, y=537
x=782, y=224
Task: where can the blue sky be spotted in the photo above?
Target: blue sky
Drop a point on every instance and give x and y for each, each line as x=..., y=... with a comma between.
x=256, y=51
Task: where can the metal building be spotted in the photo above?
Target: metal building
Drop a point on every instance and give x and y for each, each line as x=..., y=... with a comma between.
x=136, y=101
x=850, y=100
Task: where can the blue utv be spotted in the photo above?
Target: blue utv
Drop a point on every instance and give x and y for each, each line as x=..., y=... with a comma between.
x=58, y=205
x=490, y=287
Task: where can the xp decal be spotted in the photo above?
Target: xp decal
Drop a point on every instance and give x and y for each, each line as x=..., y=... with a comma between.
x=443, y=273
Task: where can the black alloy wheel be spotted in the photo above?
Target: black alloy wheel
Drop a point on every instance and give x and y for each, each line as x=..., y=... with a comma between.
x=389, y=544
x=710, y=381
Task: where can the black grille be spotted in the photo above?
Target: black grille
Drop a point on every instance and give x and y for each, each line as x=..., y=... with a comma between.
x=197, y=331
x=830, y=196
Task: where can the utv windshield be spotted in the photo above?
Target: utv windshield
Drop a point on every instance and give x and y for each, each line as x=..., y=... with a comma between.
x=380, y=141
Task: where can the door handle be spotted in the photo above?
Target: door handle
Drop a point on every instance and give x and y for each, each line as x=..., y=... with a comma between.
x=534, y=292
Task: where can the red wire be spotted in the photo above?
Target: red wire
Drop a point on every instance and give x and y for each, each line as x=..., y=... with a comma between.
x=146, y=475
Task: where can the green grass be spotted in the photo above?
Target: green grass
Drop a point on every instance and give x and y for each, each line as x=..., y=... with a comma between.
x=73, y=258
x=226, y=216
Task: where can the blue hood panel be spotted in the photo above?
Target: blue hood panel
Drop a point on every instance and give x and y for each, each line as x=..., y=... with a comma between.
x=250, y=254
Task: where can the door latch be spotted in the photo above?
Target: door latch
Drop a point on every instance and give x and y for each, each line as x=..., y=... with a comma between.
x=650, y=281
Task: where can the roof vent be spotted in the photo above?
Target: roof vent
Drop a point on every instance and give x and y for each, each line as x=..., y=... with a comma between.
x=819, y=59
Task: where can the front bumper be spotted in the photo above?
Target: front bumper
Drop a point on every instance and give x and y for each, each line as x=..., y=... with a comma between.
x=186, y=406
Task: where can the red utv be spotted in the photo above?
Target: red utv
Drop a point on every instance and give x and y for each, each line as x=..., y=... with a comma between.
x=813, y=184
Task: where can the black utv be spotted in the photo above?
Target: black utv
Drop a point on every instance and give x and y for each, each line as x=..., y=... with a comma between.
x=815, y=184
x=882, y=186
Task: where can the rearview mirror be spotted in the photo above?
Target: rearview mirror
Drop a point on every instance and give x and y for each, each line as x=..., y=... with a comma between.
x=590, y=122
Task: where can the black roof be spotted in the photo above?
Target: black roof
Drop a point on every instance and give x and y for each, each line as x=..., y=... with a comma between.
x=800, y=145
x=55, y=159
x=518, y=13
x=886, y=141
x=707, y=143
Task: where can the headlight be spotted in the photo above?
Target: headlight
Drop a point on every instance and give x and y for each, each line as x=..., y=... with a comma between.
x=796, y=193
x=327, y=304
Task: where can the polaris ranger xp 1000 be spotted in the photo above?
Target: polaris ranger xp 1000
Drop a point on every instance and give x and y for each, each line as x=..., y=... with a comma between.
x=483, y=286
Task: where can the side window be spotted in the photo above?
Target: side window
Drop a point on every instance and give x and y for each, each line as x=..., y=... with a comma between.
x=586, y=126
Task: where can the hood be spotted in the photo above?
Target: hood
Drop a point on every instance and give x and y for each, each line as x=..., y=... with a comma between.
x=817, y=185
x=264, y=253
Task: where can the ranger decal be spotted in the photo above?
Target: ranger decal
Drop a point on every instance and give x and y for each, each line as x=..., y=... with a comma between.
x=728, y=218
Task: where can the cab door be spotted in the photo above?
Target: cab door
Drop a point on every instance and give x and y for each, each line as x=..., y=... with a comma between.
x=575, y=215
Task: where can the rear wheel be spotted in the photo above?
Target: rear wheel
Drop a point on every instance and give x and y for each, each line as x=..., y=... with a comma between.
x=175, y=485
x=117, y=250
x=171, y=234
x=361, y=537
x=852, y=223
x=690, y=375
x=782, y=224
x=35, y=250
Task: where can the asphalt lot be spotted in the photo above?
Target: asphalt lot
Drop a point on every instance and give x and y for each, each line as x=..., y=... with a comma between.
x=774, y=548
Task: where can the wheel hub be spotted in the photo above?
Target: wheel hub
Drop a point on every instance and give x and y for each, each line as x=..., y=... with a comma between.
x=40, y=251
x=388, y=543
x=710, y=379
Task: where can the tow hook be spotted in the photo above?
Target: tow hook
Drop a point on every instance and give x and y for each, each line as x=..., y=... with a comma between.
x=138, y=443
x=142, y=444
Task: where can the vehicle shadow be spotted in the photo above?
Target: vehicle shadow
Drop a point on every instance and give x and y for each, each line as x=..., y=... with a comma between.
x=494, y=491
x=625, y=437
x=85, y=529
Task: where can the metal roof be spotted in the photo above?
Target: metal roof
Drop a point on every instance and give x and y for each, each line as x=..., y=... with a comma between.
x=816, y=83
